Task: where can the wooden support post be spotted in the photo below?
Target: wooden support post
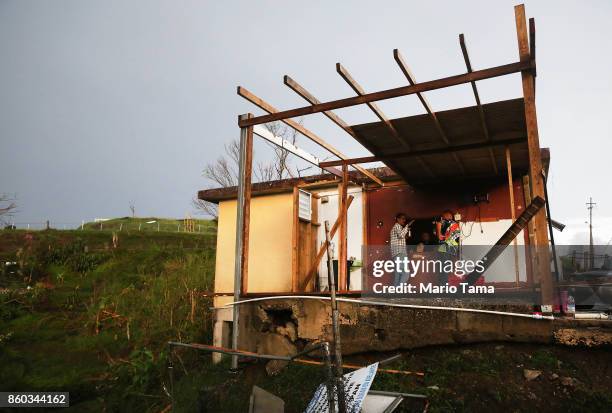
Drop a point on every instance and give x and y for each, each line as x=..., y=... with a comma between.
x=530, y=240
x=243, y=210
x=535, y=160
x=295, y=270
x=512, y=213
x=342, y=236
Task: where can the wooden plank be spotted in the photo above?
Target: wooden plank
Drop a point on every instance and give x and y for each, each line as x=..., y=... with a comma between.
x=532, y=44
x=294, y=241
x=264, y=133
x=379, y=113
x=535, y=161
x=315, y=265
x=412, y=81
x=310, y=98
x=246, y=217
x=481, y=114
x=512, y=212
x=391, y=93
x=373, y=106
x=434, y=151
x=511, y=233
x=530, y=236
x=342, y=236
x=257, y=101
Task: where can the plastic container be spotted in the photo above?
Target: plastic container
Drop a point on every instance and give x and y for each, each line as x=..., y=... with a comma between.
x=571, y=305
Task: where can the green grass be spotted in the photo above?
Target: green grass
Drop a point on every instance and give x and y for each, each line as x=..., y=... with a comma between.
x=151, y=224
x=95, y=319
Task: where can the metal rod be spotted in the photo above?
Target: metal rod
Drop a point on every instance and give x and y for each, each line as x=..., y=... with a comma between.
x=335, y=325
x=241, y=353
x=171, y=374
x=238, y=251
x=330, y=378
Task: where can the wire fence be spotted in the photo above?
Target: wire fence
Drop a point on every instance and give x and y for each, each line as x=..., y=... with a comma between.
x=184, y=226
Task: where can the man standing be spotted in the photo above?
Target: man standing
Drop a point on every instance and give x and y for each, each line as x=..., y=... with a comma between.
x=398, y=245
x=449, y=234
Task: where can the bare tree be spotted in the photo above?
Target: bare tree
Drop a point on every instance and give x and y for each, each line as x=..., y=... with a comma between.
x=224, y=171
x=7, y=207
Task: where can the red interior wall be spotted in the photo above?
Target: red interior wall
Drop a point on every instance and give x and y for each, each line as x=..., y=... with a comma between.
x=385, y=203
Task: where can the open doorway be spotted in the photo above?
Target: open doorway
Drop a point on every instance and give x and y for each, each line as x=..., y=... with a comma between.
x=422, y=230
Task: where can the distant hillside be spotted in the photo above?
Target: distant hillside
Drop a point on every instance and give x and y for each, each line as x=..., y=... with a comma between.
x=153, y=224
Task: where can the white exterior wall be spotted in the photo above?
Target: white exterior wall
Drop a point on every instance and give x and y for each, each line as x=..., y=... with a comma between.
x=329, y=212
x=504, y=267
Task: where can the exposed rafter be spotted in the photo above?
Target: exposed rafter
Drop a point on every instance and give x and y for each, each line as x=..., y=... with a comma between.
x=423, y=152
x=516, y=67
x=379, y=113
x=309, y=97
x=300, y=90
x=410, y=77
x=264, y=133
x=271, y=109
x=481, y=113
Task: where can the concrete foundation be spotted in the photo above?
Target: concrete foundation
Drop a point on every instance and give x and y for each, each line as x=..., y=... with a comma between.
x=284, y=327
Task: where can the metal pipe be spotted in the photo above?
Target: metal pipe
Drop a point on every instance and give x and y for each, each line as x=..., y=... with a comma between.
x=238, y=250
x=390, y=304
x=330, y=378
x=335, y=324
x=241, y=353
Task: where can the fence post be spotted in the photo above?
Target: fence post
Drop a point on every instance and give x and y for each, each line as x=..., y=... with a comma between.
x=120, y=226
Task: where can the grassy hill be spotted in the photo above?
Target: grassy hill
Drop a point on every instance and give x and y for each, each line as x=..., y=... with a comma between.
x=152, y=224
x=81, y=316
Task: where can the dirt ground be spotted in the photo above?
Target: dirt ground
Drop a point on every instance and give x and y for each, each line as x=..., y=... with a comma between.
x=506, y=377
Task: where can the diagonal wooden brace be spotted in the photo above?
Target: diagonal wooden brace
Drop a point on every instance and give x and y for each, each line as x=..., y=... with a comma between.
x=321, y=253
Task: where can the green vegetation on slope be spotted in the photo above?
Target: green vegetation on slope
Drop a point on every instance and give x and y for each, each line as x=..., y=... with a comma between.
x=80, y=316
x=153, y=224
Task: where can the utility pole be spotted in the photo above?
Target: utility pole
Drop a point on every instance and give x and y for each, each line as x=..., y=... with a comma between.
x=590, y=206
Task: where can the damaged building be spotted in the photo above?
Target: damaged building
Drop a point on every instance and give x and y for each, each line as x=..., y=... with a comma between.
x=482, y=162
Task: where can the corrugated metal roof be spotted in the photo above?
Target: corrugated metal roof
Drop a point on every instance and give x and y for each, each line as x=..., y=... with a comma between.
x=504, y=120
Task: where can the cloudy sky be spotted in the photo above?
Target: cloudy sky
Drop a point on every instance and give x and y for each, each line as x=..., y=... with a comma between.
x=108, y=102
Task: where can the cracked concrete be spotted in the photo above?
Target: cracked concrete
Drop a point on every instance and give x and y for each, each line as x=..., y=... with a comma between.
x=285, y=326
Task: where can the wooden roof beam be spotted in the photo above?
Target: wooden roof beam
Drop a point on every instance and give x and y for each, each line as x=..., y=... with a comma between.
x=422, y=152
x=481, y=113
x=257, y=101
x=489, y=73
x=373, y=106
x=300, y=90
x=379, y=113
x=310, y=98
x=410, y=77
